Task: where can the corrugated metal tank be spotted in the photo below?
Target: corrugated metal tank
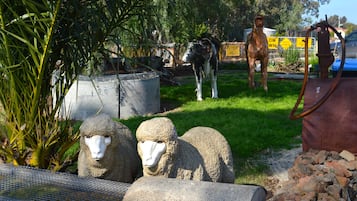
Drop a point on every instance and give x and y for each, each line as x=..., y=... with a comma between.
x=120, y=96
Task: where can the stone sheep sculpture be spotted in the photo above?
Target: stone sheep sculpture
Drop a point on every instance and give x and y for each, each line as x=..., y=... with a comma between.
x=108, y=150
x=202, y=153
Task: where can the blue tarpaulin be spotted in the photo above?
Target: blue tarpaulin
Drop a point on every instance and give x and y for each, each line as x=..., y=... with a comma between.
x=349, y=69
x=350, y=65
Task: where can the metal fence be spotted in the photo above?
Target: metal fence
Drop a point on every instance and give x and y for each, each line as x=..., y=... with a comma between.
x=235, y=51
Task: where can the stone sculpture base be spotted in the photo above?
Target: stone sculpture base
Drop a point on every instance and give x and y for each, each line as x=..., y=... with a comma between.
x=158, y=188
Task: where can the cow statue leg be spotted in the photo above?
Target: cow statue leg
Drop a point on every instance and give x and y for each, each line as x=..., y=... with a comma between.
x=214, y=90
x=199, y=89
x=198, y=76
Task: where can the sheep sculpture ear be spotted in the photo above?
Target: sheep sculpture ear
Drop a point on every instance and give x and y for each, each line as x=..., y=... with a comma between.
x=97, y=145
x=151, y=152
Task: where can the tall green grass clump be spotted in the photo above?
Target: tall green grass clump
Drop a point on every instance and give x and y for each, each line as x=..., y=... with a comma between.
x=291, y=56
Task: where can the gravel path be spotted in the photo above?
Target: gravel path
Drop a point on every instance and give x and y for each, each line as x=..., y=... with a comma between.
x=280, y=162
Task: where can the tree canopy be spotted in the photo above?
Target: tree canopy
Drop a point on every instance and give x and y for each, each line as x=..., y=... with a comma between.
x=182, y=20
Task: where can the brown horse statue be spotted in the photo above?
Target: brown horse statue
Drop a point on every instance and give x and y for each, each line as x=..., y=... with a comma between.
x=257, y=49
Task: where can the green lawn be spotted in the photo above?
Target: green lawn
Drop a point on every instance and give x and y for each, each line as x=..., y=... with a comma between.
x=251, y=120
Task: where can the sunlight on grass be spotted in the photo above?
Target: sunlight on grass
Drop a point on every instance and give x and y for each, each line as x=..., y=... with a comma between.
x=250, y=173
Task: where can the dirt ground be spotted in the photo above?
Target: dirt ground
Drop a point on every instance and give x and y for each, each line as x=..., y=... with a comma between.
x=279, y=162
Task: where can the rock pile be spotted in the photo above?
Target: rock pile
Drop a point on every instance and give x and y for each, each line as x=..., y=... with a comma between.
x=320, y=175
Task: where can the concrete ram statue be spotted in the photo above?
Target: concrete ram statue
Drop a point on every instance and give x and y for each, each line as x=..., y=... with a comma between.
x=107, y=150
x=202, y=153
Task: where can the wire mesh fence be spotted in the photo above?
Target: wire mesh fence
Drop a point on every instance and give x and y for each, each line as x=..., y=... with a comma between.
x=24, y=183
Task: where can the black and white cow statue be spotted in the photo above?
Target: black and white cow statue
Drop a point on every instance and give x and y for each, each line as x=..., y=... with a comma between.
x=203, y=55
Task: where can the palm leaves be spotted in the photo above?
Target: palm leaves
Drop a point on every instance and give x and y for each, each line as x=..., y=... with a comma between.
x=33, y=135
x=40, y=39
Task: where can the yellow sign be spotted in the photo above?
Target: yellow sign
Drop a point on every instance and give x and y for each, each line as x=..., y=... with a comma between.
x=273, y=42
x=300, y=42
x=285, y=43
x=232, y=51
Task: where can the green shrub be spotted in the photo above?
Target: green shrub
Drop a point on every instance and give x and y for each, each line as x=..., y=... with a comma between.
x=291, y=56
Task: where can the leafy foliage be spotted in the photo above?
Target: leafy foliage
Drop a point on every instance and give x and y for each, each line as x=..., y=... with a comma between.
x=177, y=20
x=40, y=39
x=336, y=21
x=31, y=131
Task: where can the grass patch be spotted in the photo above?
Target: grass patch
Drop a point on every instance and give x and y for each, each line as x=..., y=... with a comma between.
x=251, y=120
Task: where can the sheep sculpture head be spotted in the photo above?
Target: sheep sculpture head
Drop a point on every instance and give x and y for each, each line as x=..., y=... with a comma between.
x=202, y=153
x=107, y=150
x=96, y=137
x=157, y=145
x=98, y=140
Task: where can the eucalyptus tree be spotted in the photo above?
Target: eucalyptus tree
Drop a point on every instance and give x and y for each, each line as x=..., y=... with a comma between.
x=176, y=20
x=336, y=20
x=38, y=38
x=182, y=20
